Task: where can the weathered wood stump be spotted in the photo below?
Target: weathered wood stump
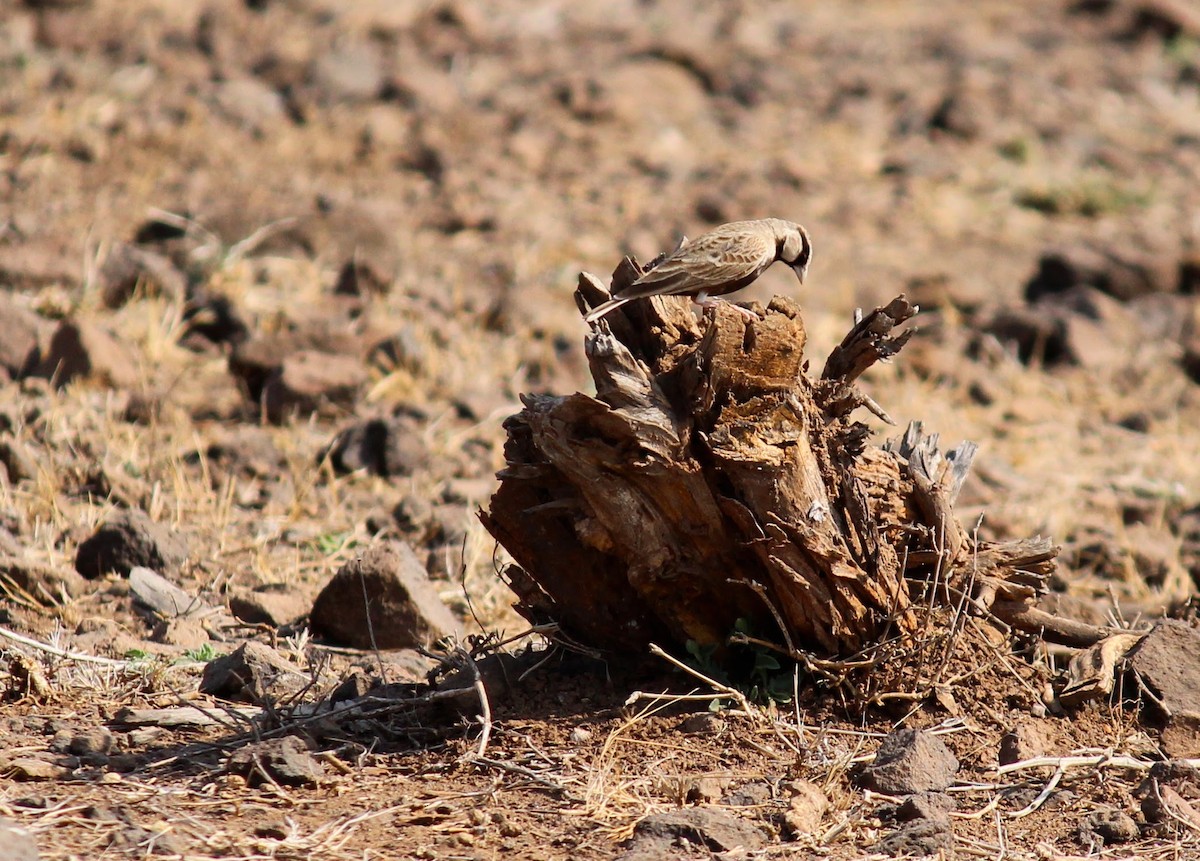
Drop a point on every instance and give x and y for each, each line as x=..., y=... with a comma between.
x=710, y=480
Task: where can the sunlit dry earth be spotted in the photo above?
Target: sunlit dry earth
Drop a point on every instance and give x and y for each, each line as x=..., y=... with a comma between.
x=412, y=188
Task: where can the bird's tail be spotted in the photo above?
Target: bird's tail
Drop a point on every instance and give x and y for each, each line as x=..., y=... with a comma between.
x=602, y=309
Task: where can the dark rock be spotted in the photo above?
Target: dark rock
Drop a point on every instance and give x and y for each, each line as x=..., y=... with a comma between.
x=285, y=760
x=920, y=838
x=274, y=604
x=252, y=673
x=1190, y=360
x=358, y=278
x=389, y=446
x=911, y=761
x=405, y=610
x=934, y=806
x=18, y=336
x=400, y=350
x=309, y=381
x=353, y=687
x=129, y=538
x=215, y=318
x=1108, y=827
x=95, y=740
x=753, y=794
x=83, y=349
x=1124, y=276
x=16, y=460
x=695, y=829
x=1037, y=337
x=128, y=266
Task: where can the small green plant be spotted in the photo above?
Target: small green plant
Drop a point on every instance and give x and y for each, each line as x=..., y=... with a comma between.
x=203, y=654
x=1016, y=149
x=1183, y=49
x=1089, y=198
x=752, y=668
x=331, y=542
x=136, y=655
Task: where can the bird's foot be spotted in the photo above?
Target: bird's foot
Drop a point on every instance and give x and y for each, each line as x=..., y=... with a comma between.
x=713, y=302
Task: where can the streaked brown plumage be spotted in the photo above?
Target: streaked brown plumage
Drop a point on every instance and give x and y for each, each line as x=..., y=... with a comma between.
x=724, y=260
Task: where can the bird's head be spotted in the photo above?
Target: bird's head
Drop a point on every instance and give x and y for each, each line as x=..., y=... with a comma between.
x=795, y=249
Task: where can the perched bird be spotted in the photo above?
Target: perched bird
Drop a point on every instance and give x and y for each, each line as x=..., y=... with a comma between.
x=719, y=262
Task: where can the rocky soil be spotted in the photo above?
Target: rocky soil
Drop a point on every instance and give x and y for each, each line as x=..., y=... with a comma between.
x=274, y=272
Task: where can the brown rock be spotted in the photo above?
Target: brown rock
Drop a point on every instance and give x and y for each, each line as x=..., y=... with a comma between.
x=934, y=806
x=18, y=336
x=34, y=768
x=249, y=104
x=47, y=585
x=128, y=266
x=16, y=843
x=80, y=348
x=1180, y=738
x=1166, y=661
x=91, y=741
x=388, y=446
x=1026, y=740
x=16, y=459
x=309, y=381
x=405, y=610
x=274, y=604
x=806, y=807
x=129, y=538
x=185, y=633
x=252, y=673
x=704, y=723
x=910, y=761
x=30, y=266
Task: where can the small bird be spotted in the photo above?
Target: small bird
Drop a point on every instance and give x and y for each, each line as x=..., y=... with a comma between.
x=719, y=262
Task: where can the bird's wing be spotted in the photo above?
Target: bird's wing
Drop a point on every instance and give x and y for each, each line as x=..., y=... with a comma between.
x=708, y=264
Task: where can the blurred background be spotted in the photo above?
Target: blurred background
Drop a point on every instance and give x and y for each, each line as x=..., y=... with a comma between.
x=412, y=187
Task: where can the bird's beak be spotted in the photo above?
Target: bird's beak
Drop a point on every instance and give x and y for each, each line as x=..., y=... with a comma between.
x=800, y=271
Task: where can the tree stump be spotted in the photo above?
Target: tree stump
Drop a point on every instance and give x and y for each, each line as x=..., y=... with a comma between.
x=711, y=480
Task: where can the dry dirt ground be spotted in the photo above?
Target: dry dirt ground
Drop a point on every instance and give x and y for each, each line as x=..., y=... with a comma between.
x=231, y=230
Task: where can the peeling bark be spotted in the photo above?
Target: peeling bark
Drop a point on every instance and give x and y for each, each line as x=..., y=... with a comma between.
x=710, y=479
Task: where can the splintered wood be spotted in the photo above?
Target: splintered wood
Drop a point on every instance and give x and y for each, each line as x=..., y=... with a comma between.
x=710, y=480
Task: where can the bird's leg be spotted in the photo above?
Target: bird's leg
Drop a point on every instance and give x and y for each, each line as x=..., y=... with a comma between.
x=706, y=301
